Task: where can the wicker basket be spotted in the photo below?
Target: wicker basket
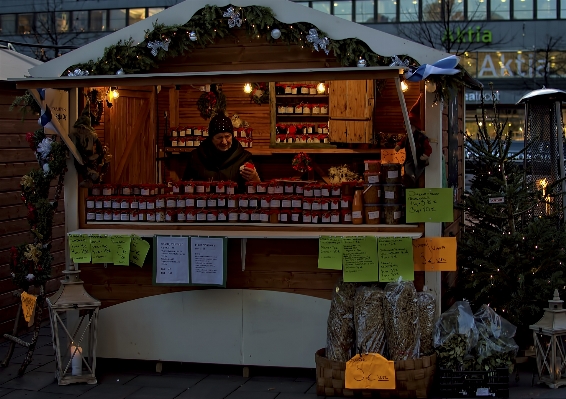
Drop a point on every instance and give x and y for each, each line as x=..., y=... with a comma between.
x=413, y=378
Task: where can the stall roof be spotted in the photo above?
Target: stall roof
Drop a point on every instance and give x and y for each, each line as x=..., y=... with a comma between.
x=14, y=65
x=286, y=11
x=186, y=78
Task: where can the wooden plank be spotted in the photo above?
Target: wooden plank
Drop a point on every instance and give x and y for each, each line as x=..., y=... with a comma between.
x=17, y=126
x=58, y=244
x=9, y=240
x=14, y=141
x=16, y=169
x=19, y=225
x=17, y=155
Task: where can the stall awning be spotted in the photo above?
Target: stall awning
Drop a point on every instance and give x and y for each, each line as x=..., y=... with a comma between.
x=187, y=78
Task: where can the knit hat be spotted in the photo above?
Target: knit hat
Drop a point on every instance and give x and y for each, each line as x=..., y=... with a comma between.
x=220, y=124
x=415, y=115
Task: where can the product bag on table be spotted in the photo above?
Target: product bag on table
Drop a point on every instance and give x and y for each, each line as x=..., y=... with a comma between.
x=369, y=318
x=340, y=335
x=401, y=320
x=427, y=310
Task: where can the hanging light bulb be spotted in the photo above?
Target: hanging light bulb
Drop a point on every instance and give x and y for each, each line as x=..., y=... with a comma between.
x=404, y=86
x=114, y=93
x=248, y=88
x=321, y=88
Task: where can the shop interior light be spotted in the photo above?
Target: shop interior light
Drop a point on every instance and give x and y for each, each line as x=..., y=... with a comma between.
x=404, y=86
x=321, y=88
x=248, y=88
x=114, y=93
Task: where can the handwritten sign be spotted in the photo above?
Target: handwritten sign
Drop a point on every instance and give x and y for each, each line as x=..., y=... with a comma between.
x=138, y=250
x=370, y=371
x=430, y=205
x=330, y=252
x=360, y=259
x=435, y=254
x=121, y=249
x=207, y=261
x=392, y=156
x=79, y=248
x=172, y=261
x=101, y=248
x=395, y=259
x=28, y=306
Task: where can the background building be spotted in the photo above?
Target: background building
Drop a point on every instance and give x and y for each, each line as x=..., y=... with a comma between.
x=518, y=45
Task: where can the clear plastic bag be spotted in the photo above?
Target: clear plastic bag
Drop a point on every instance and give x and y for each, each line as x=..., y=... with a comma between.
x=401, y=320
x=427, y=310
x=497, y=325
x=369, y=319
x=340, y=333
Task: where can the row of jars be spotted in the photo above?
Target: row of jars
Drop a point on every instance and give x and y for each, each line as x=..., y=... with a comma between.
x=301, y=128
x=194, y=141
x=218, y=201
x=240, y=132
x=297, y=88
x=388, y=214
x=302, y=109
x=302, y=138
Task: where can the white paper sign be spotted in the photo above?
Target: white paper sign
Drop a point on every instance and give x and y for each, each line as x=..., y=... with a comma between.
x=172, y=260
x=207, y=261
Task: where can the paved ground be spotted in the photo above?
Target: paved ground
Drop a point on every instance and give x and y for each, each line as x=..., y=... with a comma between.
x=118, y=379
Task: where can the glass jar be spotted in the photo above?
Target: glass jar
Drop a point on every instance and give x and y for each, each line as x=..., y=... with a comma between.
x=244, y=216
x=325, y=190
x=286, y=202
x=285, y=216
x=107, y=215
x=315, y=217
x=201, y=201
x=358, y=207
x=232, y=201
x=150, y=215
x=317, y=190
x=90, y=203
x=171, y=201
x=316, y=204
x=373, y=213
x=231, y=187
x=181, y=216
x=278, y=187
x=274, y=215
x=372, y=194
x=307, y=217
x=134, y=203
x=136, y=189
x=244, y=201
x=265, y=202
x=335, y=217
x=145, y=190
x=223, y=215
x=346, y=202
x=325, y=204
x=177, y=187
x=371, y=177
x=190, y=201
x=297, y=201
x=289, y=187
x=334, y=204
x=160, y=215
x=221, y=201
x=335, y=190
x=220, y=187
x=191, y=215
x=296, y=215
x=201, y=186
x=170, y=215
x=124, y=203
x=233, y=215
x=99, y=215
x=108, y=189
x=346, y=216
x=307, y=203
x=125, y=189
x=180, y=201
x=90, y=215
x=308, y=191
x=142, y=216
x=212, y=215
x=159, y=202
x=212, y=201
x=116, y=215
x=271, y=188
x=262, y=187
x=391, y=173
x=201, y=215
x=255, y=216
x=96, y=190
x=251, y=187
x=275, y=202
x=151, y=203
x=189, y=187
x=325, y=217
x=98, y=202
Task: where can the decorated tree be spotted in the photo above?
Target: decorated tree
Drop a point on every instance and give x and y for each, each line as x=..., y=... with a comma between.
x=508, y=257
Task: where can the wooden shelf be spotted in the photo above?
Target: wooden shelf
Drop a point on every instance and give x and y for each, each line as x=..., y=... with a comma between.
x=310, y=116
x=289, y=150
x=301, y=96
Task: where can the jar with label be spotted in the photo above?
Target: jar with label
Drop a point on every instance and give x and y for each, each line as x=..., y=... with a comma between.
x=124, y=215
x=142, y=216
x=212, y=201
x=317, y=190
x=325, y=217
x=231, y=187
x=316, y=204
x=348, y=188
x=296, y=215
x=190, y=201
x=297, y=201
x=346, y=202
x=391, y=194
x=278, y=187
x=290, y=109
x=200, y=187
x=371, y=177
x=281, y=109
x=334, y=204
x=99, y=215
x=357, y=207
x=201, y=215
x=134, y=202
x=372, y=194
x=299, y=108
x=325, y=204
x=275, y=202
x=285, y=216
x=261, y=187
x=180, y=201
x=212, y=215
x=177, y=187
x=308, y=190
x=170, y=215
x=391, y=173
x=325, y=190
x=233, y=215
x=274, y=215
x=151, y=203
x=115, y=202
x=98, y=202
x=253, y=201
x=150, y=216
x=181, y=216
x=300, y=187
x=323, y=108
x=307, y=204
x=316, y=109
x=190, y=141
x=90, y=215
x=244, y=216
x=90, y=203
x=255, y=216
x=182, y=141
x=201, y=201
x=171, y=201
x=191, y=215
x=162, y=189
x=221, y=201
x=346, y=216
x=264, y=215
x=107, y=202
x=286, y=202
x=107, y=215
x=307, y=217
x=108, y=189
x=160, y=202
x=264, y=201
x=251, y=187
x=189, y=187
x=96, y=190
x=142, y=203
x=116, y=215
x=174, y=141
x=244, y=201
x=160, y=215
x=392, y=213
x=373, y=213
x=222, y=215
x=232, y=201
x=126, y=189
x=145, y=190
x=307, y=110
x=316, y=217
x=335, y=217
x=372, y=165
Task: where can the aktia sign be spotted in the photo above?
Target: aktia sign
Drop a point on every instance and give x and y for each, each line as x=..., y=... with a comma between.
x=470, y=35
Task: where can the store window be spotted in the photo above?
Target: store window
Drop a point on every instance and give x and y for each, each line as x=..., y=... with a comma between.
x=456, y=11
x=343, y=9
x=117, y=20
x=470, y=62
x=63, y=21
x=98, y=20
x=323, y=6
x=303, y=3
x=25, y=23
x=563, y=9
x=432, y=10
x=546, y=9
x=135, y=15
x=409, y=10
x=523, y=9
x=477, y=10
x=365, y=11
x=43, y=22
x=154, y=10
x=8, y=24
x=387, y=11
x=80, y=21
x=514, y=119
x=500, y=10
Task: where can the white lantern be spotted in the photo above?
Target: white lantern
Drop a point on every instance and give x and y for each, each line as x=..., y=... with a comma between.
x=75, y=348
x=549, y=335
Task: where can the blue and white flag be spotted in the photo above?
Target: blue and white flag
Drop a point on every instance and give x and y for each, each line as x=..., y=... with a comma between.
x=446, y=66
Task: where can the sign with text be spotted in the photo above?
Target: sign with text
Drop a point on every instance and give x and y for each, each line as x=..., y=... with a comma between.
x=208, y=260
x=435, y=254
x=330, y=252
x=79, y=248
x=101, y=248
x=172, y=260
x=430, y=205
x=370, y=371
x=121, y=249
x=138, y=250
x=395, y=258
x=359, y=259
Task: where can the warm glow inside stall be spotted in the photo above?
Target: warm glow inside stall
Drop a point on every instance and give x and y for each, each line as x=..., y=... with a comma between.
x=290, y=105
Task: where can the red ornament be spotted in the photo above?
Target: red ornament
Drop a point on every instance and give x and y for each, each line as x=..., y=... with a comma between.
x=30, y=139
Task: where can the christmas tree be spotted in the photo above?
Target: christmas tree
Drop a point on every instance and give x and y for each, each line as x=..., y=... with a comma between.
x=510, y=255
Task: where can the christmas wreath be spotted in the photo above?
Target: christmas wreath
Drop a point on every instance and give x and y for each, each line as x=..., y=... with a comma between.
x=301, y=162
x=212, y=102
x=30, y=264
x=260, y=93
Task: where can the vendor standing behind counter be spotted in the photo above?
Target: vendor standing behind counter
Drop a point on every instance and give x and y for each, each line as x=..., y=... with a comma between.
x=220, y=157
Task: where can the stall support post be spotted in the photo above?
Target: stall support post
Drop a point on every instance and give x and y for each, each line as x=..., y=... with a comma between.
x=433, y=179
x=243, y=248
x=406, y=118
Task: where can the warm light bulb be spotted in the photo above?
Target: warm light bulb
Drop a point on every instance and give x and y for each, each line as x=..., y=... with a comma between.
x=404, y=86
x=114, y=93
x=248, y=88
x=321, y=88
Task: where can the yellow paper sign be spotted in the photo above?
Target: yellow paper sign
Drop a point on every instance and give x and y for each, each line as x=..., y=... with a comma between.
x=330, y=251
x=79, y=248
x=121, y=249
x=28, y=305
x=370, y=371
x=101, y=248
x=138, y=250
x=435, y=254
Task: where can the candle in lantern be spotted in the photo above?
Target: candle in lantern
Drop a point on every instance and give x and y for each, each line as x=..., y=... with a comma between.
x=77, y=360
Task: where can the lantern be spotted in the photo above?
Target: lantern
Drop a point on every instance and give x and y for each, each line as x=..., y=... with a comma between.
x=75, y=348
x=549, y=335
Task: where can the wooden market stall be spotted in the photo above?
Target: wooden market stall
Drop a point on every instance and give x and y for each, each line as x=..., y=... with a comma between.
x=274, y=308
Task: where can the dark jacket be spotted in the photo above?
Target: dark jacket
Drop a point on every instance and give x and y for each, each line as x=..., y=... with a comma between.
x=206, y=163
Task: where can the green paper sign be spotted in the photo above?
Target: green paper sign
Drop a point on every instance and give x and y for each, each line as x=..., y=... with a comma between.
x=79, y=248
x=121, y=249
x=101, y=248
x=138, y=250
x=330, y=253
x=430, y=205
x=396, y=259
x=359, y=259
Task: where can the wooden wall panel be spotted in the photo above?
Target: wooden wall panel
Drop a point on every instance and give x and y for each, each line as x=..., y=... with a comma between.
x=16, y=159
x=351, y=104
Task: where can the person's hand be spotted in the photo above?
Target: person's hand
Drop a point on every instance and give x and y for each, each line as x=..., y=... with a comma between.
x=397, y=148
x=250, y=174
x=424, y=157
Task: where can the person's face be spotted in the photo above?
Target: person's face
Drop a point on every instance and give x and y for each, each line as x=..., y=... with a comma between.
x=222, y=141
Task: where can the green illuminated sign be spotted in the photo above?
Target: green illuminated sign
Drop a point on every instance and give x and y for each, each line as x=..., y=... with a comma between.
x=469, y=35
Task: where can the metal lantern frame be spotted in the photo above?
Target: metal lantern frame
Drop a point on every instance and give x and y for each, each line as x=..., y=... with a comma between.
x=549, y=335
x=72, y=296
